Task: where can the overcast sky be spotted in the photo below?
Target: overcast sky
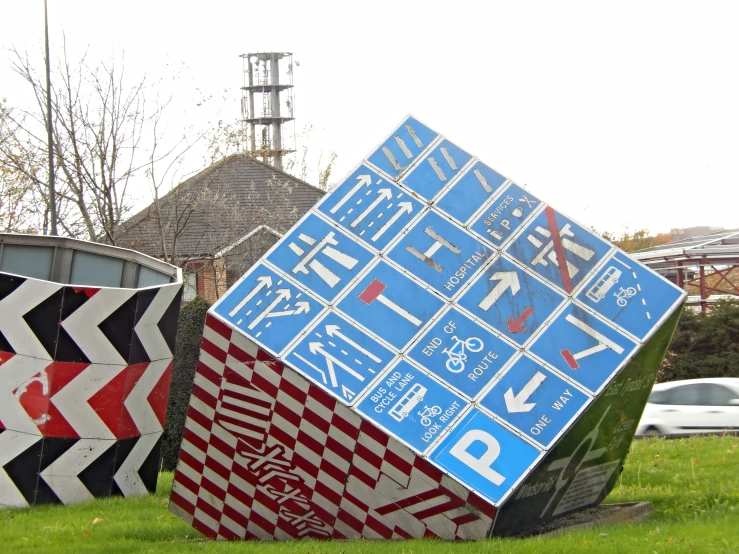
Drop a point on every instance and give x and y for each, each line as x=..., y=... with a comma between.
x=620, y=114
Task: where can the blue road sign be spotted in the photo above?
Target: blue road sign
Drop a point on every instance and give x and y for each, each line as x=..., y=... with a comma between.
x=485, y=456
x=470, y=191
x=435, y=171
x=390, y=305
x=559, y=250
x=630, y=295
x=411, y=405
x=267, y=308
x=461, y=352
x=509, y=299
x=370, y=207
x=504, y=215
x=320, y=257
x=583, y=347
x=404, y=146
x=440, y=253
x=534, y=400
x=340, y=357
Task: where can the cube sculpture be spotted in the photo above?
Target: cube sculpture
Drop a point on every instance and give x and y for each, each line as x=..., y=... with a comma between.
x=84, y=378
x=432, y=351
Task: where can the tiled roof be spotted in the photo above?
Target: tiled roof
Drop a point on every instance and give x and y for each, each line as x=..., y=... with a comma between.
x=222, y=203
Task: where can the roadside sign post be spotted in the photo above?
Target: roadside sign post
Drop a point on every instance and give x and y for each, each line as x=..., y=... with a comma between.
x=431, y=348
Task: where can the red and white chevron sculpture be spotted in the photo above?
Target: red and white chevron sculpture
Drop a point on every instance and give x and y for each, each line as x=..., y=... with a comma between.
x=266, y=454
x=84, y=381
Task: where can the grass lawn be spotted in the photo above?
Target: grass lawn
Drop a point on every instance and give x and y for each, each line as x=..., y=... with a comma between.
x=692, y=483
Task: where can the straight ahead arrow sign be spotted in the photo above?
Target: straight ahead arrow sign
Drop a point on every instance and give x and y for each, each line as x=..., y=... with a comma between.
x=506, y=280
x=517, y=404
x=362, y=180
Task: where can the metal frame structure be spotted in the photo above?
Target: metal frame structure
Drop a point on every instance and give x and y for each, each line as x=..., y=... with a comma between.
x=705, y=256
x=262, y=82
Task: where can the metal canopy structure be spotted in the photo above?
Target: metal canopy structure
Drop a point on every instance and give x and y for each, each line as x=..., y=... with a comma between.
x=706, y=262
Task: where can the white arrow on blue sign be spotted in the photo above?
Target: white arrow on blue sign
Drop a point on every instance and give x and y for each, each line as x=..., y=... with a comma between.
x=509, y=299
x=340, y=356
x=370, y=207
x=534, y=400
x=268, y=308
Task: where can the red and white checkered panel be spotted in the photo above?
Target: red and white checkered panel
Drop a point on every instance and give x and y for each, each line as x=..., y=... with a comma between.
x=268, y=455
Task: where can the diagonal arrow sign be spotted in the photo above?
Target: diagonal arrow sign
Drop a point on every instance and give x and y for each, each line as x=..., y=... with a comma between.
x=300, y=308
x=282, y=295
x=506, y=280
x=347, y=392
x=362, y=180
x=382, y=195
x=333, y=331
x=517, y=403
x=404, y=208
x=517, y=325
x=264, y=281
x=317, y=348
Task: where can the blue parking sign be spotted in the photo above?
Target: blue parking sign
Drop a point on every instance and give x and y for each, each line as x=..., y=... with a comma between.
x=320, y=257
x=559, y=250
x=404, y=146
x=461, y=352
x=630, y=295
x=340, y=357
x=511, y=300
x=390, y=305
x=436, y=170
x=485, y=456
x=582, y=347
x=534, y=400
x=268, y=308
x=504, y=214
x=370, y=207
x=411, y=405
x=440, y=253
x=470, y=191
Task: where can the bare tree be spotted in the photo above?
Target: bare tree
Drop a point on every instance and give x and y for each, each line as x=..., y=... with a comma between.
x=101, y=125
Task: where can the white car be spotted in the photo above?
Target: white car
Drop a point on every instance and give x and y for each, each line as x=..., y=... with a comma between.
x=692, y=406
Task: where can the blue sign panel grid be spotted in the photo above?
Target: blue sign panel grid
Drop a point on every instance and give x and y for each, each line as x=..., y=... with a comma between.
x=440, y=253
x=390, y=304
x=534, y=400
x=320, y=257
x=268, y=308
x=500, y=218
x=341, y=357
x=402, y=147
x=450, y=307
x=411, y=405
x=370, y=207
x=583, y=347
x=461, y=352
x=436, y=170
x=487, y=456
x=463, y=197
x=511, y=300
x=629, y=295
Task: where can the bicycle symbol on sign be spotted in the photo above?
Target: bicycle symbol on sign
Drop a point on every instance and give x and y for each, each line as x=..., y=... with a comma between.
x=457, y=355
x=427, y=413
x=623, y=295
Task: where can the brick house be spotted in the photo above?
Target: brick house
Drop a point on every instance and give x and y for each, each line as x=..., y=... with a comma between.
x=216, y=224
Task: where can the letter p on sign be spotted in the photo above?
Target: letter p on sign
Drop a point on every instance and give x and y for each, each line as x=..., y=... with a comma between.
x=482, y=463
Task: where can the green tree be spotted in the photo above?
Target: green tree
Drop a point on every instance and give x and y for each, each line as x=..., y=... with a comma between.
x=704, y=345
